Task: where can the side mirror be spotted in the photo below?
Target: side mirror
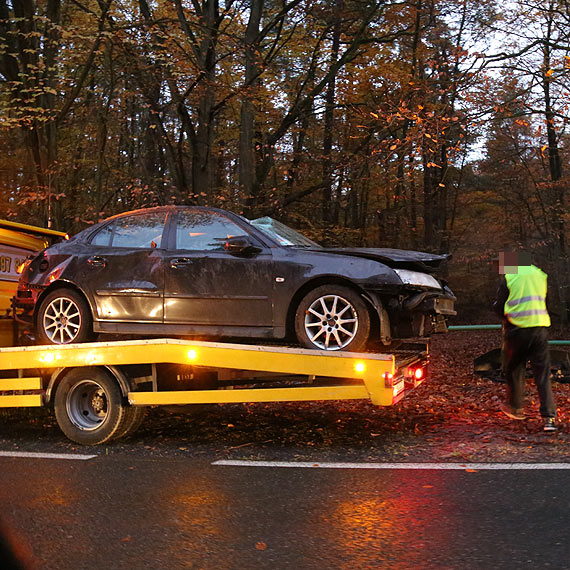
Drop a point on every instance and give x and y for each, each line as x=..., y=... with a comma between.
x=241, y=245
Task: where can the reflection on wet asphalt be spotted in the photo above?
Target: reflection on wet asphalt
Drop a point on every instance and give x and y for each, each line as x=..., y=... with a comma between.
x=116, y=513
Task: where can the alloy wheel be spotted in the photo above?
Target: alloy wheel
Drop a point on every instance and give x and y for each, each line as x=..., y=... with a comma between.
x=62, y=320
x=331, y=322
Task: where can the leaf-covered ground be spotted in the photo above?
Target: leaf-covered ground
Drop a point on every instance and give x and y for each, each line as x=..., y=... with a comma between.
x=453, y=417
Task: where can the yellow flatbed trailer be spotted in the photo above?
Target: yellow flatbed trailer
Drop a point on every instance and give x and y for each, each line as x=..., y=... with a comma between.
x=100, y=390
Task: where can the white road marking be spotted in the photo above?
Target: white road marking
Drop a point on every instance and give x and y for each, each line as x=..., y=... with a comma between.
x=34, y=455
x=443, y=466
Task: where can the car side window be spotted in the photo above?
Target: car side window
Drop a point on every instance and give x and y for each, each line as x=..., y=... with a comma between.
x=141, y=231
x=204, y=231
x=103, y=236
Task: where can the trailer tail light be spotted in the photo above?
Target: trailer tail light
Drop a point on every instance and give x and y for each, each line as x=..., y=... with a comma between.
x=416, y=375
x=398, y=386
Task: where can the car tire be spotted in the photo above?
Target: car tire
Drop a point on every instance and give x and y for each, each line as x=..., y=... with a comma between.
x=63, y=318
x=333, y=317
x=89, y=406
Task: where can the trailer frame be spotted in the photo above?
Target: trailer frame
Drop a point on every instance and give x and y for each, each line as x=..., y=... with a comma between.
x=133, y=374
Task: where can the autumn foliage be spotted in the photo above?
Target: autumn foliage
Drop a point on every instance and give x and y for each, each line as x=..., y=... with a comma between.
x=429, y=124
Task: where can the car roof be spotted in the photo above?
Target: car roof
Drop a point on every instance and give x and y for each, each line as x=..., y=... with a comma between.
x=86, y=232
x=167, y=208
x=170, y=208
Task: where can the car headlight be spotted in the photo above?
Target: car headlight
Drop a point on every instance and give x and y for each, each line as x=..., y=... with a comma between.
x=417, y=278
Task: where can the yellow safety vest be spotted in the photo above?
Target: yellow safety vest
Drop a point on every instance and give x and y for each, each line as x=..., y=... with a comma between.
x=526, y=304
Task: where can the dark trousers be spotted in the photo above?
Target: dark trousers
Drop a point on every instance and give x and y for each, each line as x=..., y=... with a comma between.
x=520, y=346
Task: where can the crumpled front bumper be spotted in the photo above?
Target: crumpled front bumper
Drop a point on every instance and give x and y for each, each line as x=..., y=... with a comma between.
x=432, y=302
x=424, y=313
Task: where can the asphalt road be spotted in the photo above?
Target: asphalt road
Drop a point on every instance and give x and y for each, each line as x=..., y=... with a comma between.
x=173, y=512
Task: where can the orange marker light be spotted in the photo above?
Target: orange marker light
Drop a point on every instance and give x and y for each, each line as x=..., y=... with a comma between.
x=49, y=357
x=192, y=354
x=91, y=358
x=359, y=367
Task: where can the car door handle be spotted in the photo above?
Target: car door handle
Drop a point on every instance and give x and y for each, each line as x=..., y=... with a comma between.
x=97, y=261
x=180, y=262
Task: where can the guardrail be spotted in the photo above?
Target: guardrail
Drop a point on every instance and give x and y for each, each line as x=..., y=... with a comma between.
x=498, y=327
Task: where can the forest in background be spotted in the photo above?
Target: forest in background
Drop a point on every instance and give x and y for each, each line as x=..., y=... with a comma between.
x=437, y=125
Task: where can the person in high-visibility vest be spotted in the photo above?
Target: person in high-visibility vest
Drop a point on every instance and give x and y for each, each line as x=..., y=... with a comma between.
x=521, y=302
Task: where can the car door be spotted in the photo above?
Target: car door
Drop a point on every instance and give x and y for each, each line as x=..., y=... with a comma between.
x=207, y=285
x=124, y=271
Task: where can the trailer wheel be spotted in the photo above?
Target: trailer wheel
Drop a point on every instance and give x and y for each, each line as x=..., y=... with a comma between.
x=89, y=406
x=333, y=317
x=132, y=420
x=63, y=318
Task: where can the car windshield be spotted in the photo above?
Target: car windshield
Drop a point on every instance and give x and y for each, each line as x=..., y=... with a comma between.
x=284, y=235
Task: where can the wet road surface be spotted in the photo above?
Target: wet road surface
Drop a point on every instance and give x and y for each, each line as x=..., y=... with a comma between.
x=127, y=512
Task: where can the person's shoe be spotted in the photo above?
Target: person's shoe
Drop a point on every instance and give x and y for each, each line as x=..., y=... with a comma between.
x=513, y=413
x=549, y=424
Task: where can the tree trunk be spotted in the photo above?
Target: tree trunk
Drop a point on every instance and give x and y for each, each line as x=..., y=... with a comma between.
x=328, y=194
x=247, y=114
x=202, y=142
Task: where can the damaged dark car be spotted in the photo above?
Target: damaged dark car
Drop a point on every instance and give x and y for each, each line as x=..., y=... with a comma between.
x=209, y=273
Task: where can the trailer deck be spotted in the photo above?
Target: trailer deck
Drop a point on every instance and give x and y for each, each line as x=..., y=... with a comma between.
x=91, y=385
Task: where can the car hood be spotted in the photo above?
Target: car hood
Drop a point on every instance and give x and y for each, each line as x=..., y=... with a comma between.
x=395, y=258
